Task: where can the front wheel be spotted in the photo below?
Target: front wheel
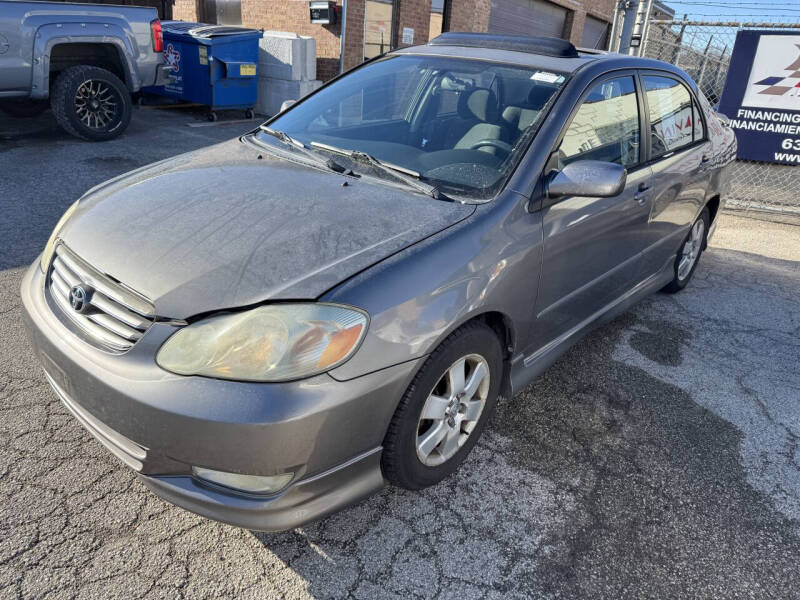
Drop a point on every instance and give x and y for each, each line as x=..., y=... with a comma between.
x=689, y=254
x=445, y=409
x=91, y=103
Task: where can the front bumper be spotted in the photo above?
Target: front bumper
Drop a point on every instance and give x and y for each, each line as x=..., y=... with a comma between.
x=327, y=432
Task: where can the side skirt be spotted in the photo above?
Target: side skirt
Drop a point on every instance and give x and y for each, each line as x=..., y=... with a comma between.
x=525, y=369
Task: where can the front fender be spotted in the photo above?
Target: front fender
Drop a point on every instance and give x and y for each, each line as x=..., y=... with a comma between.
x=49, y=36
x=488, y=263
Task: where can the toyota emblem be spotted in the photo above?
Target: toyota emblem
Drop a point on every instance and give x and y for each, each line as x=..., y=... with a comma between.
x=79, y=298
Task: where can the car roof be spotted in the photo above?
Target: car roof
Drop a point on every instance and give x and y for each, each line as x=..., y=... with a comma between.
x=512, y=50
x=514, y=57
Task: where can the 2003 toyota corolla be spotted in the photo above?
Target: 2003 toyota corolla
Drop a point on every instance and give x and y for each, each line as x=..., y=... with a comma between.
x=269, y=329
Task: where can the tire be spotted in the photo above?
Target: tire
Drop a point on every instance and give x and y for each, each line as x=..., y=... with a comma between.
x=23, y=107
x=404, y=460
x=691, y=249
x=91, y=103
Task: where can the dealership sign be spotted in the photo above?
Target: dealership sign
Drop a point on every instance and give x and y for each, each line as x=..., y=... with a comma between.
x=762, y=96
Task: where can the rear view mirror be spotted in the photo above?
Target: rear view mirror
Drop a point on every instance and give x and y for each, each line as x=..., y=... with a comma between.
x=286, y=104
x=726, y=122
x=593, y=178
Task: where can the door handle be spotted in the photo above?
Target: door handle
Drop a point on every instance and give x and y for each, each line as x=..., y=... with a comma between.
x=705, y=158
x=640, y=196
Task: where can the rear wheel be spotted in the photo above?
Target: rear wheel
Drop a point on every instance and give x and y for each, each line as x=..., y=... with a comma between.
x=445, y=409
x=91, y=103
x=689, y=254
x=23, y=107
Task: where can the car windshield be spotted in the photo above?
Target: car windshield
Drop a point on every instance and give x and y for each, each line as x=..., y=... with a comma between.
x=456, y=124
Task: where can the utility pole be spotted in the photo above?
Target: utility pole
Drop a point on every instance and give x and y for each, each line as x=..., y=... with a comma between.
x=642, y=17
x=630, y=10
x=646, y=27
x=613, y=41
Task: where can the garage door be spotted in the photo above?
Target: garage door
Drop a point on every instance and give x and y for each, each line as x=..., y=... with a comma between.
x=595, y=33
x=527, y=17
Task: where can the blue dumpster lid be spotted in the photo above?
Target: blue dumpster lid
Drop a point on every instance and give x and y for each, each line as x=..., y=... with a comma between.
x=205, y=31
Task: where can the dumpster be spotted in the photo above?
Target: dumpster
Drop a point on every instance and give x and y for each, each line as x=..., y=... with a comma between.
x=213, y=65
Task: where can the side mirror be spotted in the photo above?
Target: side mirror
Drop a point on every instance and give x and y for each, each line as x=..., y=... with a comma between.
x=286, y=104
x=593, y=178
x=724, y=119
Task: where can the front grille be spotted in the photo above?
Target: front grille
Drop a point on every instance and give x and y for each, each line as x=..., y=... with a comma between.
x=114, y=317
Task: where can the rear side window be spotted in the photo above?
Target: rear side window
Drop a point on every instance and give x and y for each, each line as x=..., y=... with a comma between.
x=605, y=127
x=669, y=106
x=699, y=130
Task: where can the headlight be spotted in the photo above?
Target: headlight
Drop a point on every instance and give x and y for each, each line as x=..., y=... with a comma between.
x=47, y=255
x=276, y=342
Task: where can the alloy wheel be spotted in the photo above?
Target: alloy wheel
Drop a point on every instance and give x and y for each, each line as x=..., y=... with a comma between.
x=691, y=249
x=96, y=104
x=452, y=410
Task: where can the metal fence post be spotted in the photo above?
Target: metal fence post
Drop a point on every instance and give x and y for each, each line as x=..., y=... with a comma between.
x=677, y=51
x=704, y=63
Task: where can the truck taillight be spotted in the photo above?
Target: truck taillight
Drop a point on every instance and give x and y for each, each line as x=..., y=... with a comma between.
x=158, y=36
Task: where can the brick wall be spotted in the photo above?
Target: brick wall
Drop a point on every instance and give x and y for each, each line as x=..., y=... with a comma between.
x=185, y=10
x=415, y=14
x=473, y=15
x=470, y=15
x=293, y=15
x=354, y=34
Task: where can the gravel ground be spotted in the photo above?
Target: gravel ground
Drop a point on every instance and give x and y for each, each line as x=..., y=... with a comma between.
x=658, y=458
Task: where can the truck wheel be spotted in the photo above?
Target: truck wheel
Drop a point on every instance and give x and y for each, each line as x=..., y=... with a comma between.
x=23, y=107
x=91, y=103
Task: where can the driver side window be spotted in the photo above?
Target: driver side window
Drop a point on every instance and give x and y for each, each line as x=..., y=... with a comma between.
x=605, y=127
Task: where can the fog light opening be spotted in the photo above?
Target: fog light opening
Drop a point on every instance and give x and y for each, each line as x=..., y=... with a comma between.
x=252, y=484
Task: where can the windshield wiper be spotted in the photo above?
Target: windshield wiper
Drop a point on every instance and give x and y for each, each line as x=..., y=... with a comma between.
x=300, y=146
x=407, y=176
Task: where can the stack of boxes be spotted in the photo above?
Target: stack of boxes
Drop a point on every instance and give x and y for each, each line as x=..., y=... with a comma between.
x=287, y=69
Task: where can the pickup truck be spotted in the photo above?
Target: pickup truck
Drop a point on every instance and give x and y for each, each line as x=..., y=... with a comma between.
x=87, y=59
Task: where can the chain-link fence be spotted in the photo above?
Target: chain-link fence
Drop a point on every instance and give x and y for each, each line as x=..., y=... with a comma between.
x=703, y=49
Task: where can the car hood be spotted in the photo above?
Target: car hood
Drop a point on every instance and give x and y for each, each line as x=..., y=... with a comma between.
x=230, y=226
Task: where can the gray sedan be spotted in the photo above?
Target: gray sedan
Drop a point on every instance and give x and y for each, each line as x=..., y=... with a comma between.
x=270, y=329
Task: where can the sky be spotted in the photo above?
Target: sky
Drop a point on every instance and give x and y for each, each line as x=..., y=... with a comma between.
x=737, y=10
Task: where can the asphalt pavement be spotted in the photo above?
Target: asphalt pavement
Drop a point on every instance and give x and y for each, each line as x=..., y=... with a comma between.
x=659, y=458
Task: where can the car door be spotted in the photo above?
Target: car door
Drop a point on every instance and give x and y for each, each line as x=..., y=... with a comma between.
x=678, y=150
x=592, y=246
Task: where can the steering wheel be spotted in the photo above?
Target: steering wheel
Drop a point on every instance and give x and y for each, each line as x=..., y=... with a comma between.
x=499, y=144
